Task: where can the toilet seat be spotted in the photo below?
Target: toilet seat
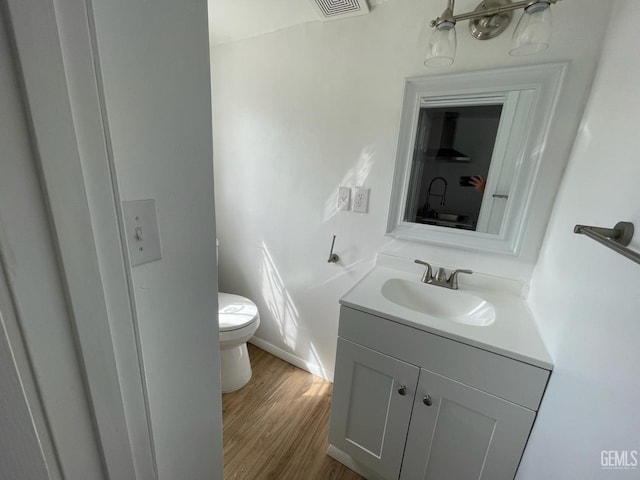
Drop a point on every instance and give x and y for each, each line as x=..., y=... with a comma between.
x=235, y=312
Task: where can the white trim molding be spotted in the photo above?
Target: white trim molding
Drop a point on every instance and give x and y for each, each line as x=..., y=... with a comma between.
x=299, y=362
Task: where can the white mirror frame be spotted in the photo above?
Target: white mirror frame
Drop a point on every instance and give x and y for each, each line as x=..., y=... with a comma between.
x=538, y=88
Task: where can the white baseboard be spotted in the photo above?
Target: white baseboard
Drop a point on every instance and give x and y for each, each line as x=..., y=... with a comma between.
x=310, y=367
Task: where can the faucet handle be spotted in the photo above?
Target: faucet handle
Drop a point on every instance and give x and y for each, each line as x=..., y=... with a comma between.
x=453, y=279
x=427, y=275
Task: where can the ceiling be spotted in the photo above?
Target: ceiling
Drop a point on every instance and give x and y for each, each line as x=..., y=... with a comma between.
x=233, y=20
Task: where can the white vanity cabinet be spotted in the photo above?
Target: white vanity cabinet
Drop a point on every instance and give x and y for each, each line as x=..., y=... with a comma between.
x=371, y=408
x=413, y=405
x=457, y=431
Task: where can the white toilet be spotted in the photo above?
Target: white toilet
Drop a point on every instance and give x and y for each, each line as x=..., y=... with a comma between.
x=239, y=320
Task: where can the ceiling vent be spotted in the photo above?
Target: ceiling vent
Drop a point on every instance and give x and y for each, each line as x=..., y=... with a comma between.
x=337, y=9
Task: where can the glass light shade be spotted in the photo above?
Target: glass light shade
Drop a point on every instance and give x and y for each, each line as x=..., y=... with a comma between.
x=533, y=33
x=442, y=47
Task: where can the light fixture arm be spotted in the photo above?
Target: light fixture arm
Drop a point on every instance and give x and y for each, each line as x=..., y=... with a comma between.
x=447, y=15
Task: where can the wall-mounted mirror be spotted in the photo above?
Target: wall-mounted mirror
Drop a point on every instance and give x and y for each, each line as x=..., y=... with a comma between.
x=469, y=150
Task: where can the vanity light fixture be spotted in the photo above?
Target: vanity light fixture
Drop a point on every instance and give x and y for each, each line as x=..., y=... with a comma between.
x=489, y=20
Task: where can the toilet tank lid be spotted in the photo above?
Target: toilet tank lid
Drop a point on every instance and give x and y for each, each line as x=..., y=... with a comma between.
x=235, y=312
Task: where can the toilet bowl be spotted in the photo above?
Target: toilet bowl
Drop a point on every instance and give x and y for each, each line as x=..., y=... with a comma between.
x=239, y=319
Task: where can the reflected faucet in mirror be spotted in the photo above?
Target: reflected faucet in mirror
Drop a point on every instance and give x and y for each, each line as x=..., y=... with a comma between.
x=426, y=210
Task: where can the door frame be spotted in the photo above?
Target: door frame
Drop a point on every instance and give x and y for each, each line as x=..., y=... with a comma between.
x=54, y=47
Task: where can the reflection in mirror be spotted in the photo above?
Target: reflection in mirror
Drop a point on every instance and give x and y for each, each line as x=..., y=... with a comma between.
x=452, y=155
x=470, y=147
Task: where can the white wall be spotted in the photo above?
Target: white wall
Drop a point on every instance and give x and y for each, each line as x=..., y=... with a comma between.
x=303, y=110
x=153, y=58
x=584, y=296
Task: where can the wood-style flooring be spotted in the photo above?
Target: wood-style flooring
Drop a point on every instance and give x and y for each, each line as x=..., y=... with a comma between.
x=276, y=426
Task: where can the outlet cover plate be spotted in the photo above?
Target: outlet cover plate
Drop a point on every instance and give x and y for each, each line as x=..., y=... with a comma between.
x=344, y=199
x=361, y=200
x=141, y=227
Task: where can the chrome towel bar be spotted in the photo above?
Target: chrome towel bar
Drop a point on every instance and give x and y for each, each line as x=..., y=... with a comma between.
x=616, y=238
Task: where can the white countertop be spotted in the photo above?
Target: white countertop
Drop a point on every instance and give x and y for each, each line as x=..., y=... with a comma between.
x=513, y=334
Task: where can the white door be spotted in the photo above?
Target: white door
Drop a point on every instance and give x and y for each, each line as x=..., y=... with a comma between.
x=459, y=432
x=21, y=450
x=372, y=400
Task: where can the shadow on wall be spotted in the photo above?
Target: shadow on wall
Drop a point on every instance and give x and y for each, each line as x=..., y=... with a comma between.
x=355, y=176
x=283, y=310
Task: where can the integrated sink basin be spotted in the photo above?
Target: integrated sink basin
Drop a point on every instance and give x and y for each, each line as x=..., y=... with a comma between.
x=452, y=305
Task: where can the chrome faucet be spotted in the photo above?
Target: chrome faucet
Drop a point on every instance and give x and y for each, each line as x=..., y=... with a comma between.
x=440, y=279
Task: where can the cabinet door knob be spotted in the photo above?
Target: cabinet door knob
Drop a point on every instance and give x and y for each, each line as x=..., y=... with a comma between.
x=402, y=390
x=427, y=400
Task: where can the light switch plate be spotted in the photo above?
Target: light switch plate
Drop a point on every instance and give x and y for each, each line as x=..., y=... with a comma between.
x=344, y=198
x=361, y=200
x=141, y=226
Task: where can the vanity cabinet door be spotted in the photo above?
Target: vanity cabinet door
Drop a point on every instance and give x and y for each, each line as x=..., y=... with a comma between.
x=371, y=407
x=459, y=432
